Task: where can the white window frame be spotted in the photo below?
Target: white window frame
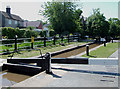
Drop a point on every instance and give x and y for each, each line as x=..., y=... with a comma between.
x=10, y=21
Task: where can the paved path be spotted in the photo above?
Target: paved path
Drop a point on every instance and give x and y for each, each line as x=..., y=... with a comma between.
x=73, y=75
x=115, y=54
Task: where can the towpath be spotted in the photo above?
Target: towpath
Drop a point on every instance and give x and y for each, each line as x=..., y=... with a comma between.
x=114, y=55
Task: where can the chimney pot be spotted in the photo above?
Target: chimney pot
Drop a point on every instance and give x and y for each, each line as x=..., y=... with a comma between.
x=8, y=10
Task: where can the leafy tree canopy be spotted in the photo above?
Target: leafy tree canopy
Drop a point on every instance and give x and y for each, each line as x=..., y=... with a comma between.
x=97, y=24
x=114, y=29
x=62, y=16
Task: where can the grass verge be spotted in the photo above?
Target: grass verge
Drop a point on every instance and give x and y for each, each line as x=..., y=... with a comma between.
x=103, y=52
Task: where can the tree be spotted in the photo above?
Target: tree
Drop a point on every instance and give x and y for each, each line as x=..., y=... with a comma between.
x=114, y=28
x=97, y=24
x=78, y=21
x=62, y=16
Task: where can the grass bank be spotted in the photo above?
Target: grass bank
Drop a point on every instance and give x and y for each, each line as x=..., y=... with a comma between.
x=103, y=52
x=22, y=45
x=52, y=48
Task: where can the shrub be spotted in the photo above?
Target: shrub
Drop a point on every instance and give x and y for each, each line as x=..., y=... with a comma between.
x=43, y=33
x=52, y=33
x=30, y=27
x=20, y=33
x=10, y=33
x=30, y=33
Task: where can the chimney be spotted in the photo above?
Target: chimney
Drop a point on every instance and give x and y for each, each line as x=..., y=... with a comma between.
x=8, y=10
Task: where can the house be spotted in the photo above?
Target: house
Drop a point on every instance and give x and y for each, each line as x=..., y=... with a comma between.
x=38, y=26
x=10, y=20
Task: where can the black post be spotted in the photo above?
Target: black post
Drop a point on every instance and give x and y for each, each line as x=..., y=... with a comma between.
x=15, y=43
x=87, y=50
x=112, y=40
x=68, y=38
x=104, y=44
x=44, y=41
x=48, y=63
x=73, y=37
x=62, y=39
x=31, y=45
x=54, y=40
x=78, y=37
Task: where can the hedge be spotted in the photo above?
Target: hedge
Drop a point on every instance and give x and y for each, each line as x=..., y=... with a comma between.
x=10, y=33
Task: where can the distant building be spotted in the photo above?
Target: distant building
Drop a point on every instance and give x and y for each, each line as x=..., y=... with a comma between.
x=10, y=20
x=36, y=24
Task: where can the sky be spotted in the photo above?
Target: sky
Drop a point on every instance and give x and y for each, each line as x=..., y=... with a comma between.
x=29, y=10
x=109, y=9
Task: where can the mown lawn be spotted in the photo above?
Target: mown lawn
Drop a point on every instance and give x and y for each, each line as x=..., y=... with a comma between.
x=103, y=52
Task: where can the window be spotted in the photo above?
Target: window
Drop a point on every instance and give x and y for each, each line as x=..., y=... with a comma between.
x=10, y=22
x=15, y=22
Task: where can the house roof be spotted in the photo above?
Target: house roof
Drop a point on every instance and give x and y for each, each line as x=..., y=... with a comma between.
x=33, y=24
x=11, y=16
x=40, y=26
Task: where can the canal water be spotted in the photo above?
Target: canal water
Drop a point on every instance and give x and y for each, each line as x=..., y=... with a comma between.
x=9, y=78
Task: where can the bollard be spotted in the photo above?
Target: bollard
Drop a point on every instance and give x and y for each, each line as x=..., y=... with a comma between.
x=87, y=50
x=15, y=42
x=48, y=63
x=104, y=44
x=112, y=40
